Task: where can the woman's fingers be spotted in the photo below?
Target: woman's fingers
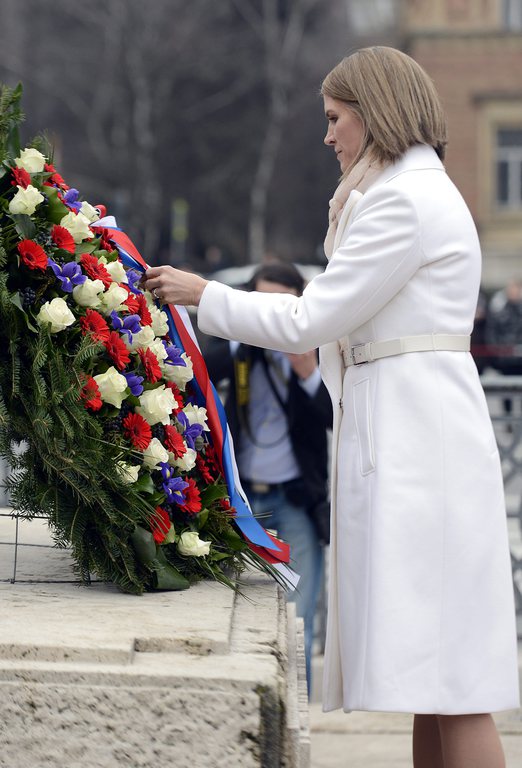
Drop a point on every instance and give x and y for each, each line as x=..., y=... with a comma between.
x=174, y=286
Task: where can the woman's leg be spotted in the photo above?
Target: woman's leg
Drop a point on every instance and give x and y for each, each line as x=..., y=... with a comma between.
x=470, y=741
x=427, y=750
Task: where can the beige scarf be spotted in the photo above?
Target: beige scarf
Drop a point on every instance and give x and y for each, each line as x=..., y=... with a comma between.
x=360, y=178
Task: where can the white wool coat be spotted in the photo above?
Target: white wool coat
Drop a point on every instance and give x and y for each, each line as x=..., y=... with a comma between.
x=421, y=609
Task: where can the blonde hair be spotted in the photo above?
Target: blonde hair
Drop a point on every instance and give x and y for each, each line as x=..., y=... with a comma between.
x=395, y=99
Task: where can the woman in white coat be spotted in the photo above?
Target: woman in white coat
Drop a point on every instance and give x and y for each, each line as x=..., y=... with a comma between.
x=421, y=609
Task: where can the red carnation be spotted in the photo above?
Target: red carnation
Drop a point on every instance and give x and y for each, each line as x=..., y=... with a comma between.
x=62, y=238
x=137, y=431
x=174, y=441
x=55, y=178
x=160, y=524
x=95, y=269
x=90, y=395
x=203, y=469
x=105, y=243
x=226, y=505
x=177, y=394
x=211, y=459
x=143, y=310
x=21, y=178
x=151, y=365
x=117, y=350
x=131, y=302
x=32, y=255
x=192, y=503
x=96, y=325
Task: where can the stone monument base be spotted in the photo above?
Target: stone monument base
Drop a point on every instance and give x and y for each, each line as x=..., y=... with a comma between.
x=93, y=678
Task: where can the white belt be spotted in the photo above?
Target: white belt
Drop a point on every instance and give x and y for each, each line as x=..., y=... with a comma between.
x=373, y=350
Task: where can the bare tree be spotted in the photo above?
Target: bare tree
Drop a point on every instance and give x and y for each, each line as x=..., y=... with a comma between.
x=148, y=102
x=282, y=31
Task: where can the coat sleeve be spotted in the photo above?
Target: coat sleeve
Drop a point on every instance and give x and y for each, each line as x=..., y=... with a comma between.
x=379, y=255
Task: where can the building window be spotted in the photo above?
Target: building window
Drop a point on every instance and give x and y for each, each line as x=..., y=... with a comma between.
x=509, y=168
x=512, y=12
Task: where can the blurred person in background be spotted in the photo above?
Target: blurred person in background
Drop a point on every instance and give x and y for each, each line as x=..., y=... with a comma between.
x=504, y=334
x=421, y=613
x=278, y=411
x=504, y=327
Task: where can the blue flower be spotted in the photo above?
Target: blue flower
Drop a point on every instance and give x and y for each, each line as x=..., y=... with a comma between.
x=69, y=274
x=134, y=383
x=190, y=434
x=133, y=277
x=71, y=199
x=173, y=355
x=173, y=485
x=129, y=324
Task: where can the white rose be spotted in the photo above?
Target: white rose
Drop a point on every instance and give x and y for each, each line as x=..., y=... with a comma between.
x=160, y=324
x=150, y=299
x=26, y=200
x=57, y=313
x=191, y=545
x=112, y=386
x=179, y=374
x=142, y=339
x=31, y=160
x=113, y=298
x=156, y=405
x=196, y=415
x=115, y=269
x=186, y=462
x=127, y=472
x=158, y=348
x=89, y=211
x=154, y=454
x=78, y=226
x=88, y=294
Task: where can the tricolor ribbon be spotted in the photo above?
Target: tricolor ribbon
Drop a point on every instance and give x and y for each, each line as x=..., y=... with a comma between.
x=272, y=550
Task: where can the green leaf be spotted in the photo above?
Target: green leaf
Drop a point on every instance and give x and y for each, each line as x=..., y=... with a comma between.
x=87, y=247
x=170, y=538
x=213, y=493
x=233, y=540
x=56, y=210
x=152, y=556
x=144, y=484
x=217, y=556
x=24, y=225
x=166, y=576
x=15, y=299
x=202, y=518
x=144, y=545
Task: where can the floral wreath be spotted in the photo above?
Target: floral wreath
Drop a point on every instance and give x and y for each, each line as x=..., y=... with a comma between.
x=101, y=418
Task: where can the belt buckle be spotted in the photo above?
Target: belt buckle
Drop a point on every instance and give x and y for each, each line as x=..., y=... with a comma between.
x=357, y=352
x=260, y=487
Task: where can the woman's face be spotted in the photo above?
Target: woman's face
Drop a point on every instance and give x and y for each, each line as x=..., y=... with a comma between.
x=345, y=131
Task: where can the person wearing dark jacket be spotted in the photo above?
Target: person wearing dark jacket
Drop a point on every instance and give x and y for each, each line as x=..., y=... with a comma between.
x=278, y=411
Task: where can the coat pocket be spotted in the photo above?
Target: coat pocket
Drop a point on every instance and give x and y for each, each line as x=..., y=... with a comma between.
x=363, y=425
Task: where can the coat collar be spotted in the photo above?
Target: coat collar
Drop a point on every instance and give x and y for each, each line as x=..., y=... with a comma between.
x=420, y=157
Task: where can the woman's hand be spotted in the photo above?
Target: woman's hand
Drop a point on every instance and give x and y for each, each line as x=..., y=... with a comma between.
x=174, y=286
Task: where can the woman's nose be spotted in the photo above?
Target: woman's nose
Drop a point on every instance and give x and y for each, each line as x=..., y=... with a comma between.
x=329, y=139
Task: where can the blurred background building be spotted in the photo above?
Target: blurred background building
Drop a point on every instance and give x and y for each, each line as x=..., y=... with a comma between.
x=473, y=51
